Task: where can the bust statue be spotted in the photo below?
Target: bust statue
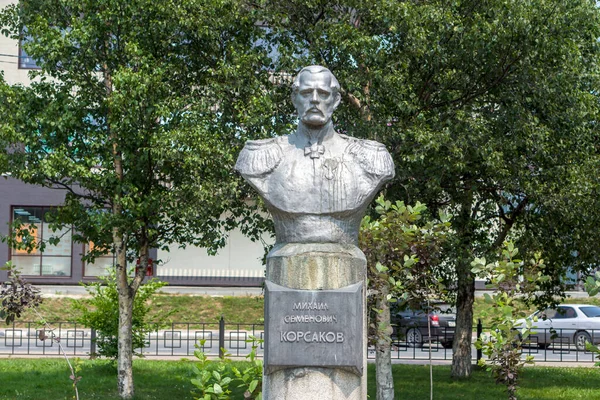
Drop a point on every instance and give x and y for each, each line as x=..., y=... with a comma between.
x=316, y=182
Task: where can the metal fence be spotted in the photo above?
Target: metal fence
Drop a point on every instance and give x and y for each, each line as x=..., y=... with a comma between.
x=181, y=339
x=545, y=345
x=178, y=339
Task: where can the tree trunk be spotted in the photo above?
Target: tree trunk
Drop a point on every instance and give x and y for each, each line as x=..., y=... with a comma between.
x=383, y=359
x=461, y=358
x=125, y=338
x=127, y=292
x=125, y=357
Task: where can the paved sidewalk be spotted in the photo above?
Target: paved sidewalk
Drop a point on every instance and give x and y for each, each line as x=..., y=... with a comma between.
x=79, y=291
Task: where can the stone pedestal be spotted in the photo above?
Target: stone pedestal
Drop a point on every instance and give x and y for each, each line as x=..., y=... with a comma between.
x=317, y=267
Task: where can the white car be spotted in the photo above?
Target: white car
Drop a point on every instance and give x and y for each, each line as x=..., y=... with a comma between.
x=565, y=325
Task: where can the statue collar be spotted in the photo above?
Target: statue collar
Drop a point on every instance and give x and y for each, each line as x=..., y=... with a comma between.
x=312, y=140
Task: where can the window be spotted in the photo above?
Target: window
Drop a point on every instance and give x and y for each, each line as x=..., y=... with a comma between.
x=25, y=61
x=566, y=312
x=591, y=311
x=101, y=264
x=561, y=313
x=56, y=259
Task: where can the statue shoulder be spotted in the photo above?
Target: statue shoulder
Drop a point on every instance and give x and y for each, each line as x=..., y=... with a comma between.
x=259, y=157
x=372, y=156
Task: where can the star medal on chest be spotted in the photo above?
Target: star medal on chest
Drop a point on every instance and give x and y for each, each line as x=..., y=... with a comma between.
x=330, y=166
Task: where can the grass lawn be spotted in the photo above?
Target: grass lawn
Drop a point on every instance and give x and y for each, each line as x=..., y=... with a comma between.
x=537, y=383
x=244, y=309
x=209, y=309
x=49, y=379
x=38, y=379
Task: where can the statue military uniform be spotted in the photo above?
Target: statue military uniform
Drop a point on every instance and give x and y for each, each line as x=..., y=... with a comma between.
x=316, y=193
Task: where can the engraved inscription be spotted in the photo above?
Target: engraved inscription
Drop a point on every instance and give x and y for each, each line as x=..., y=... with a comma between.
x=309, y=337
x=310, y=319
x=321, y=328
x=311, y=306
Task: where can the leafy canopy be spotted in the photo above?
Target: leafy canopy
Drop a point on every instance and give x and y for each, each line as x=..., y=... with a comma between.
x=143, y=106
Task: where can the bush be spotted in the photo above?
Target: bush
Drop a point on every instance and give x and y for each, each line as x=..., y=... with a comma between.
x=101, y=313
x=515, y=284
x=213, y=378
x=16, y=295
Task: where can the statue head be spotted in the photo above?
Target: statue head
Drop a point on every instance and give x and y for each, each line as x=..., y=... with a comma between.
x=315, y=94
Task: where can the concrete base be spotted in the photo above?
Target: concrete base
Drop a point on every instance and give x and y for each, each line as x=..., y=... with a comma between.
x=319, y=266
x=314, y=384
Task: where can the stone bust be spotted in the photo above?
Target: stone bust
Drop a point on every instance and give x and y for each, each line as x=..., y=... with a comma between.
x=316, y=182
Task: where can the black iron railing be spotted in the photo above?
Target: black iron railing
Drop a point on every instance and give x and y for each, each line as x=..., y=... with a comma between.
x=180, y=339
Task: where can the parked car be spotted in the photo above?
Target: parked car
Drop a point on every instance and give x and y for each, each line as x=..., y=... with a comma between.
x=411, y=325
x=566, y=324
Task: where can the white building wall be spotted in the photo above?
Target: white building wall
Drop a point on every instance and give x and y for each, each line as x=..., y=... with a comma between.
x=9, y=57
x=239, y=258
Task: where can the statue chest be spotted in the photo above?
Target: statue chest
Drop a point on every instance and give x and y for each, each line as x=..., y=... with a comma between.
x=326, y=184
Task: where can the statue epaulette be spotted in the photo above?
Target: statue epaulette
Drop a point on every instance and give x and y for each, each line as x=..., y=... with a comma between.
x=259, y=157
x=372, y=156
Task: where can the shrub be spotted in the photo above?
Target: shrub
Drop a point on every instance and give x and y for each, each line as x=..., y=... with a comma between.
x=101, y=313
x=515, y=284
x=213, y=378
x=16, y=295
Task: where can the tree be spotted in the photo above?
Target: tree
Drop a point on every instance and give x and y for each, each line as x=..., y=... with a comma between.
x=399, y=243
x=488, y=108
x=138, y=113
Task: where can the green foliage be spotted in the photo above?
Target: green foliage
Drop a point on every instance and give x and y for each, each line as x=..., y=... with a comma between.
x=515, y=284
x=485, y=117
x=101, y=313
x=213, y=378
x=592, y=284
x=141, y=107
x=16, y=295
x=402, y=247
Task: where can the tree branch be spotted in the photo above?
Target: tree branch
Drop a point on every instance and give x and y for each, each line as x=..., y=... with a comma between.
x=509, y=221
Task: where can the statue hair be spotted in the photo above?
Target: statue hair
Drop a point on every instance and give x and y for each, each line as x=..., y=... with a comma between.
x=316, y=69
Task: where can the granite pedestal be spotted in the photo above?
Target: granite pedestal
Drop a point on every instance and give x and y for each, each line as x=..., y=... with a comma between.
x=321, y=321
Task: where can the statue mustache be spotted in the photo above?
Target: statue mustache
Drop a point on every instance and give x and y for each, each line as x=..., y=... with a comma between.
x=313, y=109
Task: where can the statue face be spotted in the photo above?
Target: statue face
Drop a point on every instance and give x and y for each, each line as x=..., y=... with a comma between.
x=315, y=101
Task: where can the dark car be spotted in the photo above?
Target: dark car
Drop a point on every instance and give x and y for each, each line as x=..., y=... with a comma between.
x=411, y=326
